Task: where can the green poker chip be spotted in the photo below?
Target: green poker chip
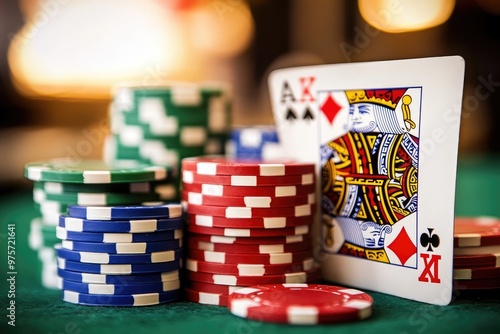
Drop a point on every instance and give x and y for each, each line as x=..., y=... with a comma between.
x=60, y=188
x=167, y=109
x=93, y=171
x=122, y=188
x=95, y=198
x=178, y=96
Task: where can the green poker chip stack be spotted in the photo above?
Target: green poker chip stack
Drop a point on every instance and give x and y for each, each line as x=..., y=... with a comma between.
x=61, y=182
x=163, y=124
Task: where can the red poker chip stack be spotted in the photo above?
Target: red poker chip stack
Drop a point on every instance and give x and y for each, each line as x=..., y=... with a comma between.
x=476, y=255
x=249, y=223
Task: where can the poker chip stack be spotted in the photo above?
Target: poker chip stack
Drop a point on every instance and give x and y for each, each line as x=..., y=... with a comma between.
x=59, y=183
x=121, y=255
x=248, y=224
x=476, y=255
x=253, y=143
x=163, y=124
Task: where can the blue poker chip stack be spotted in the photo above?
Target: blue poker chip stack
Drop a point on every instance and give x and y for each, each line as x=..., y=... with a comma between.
x=254, y=143
x=128, y=255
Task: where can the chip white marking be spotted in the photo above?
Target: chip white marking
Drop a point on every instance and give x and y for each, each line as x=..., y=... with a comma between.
x=304, y=315
x=257, y=202
x=206, y=168
x=166, y=256
x=98, y=213
x=275, y=222
x=469, y=240
x=285, y=191
x=251, y=270
x=216, y=257
x=272, y=170
x=91, y=199
x=239, y=180
x=146, y=299
x=96, y=176
x=307, y=179
x=94, y=257
x=238, y=212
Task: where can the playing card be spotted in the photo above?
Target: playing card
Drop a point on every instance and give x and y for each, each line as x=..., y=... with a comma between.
x=386, y=150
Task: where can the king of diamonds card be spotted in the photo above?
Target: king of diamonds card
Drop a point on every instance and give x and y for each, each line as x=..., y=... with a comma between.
x=385, y=148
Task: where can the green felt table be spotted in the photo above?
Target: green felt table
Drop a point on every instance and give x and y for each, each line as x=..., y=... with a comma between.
x=39, y=310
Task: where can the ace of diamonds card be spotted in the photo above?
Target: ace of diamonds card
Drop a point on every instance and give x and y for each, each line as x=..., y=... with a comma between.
x=384, y=137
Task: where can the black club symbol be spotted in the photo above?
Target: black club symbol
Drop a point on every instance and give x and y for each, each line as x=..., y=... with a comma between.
x=429, y=239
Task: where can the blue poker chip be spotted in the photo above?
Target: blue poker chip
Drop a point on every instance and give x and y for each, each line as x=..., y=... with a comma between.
x=105, y=258
x=120, y=226
x=144, y=299
x=253, y=143
x=79, y=277
x=146, y=210
x=118, y=269
x=122, y=248
x=64, y=234
x=114, y=289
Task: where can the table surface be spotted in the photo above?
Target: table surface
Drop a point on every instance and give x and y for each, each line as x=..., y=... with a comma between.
x=39, y=310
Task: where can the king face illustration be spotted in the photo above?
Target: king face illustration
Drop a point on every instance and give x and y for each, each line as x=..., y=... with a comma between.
x=370, y=174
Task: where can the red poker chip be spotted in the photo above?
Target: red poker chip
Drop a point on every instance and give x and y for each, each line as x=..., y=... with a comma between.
x=237, y=258
x=190, y=177
x=213, y=288
x=301, y=304
x=474, y=261
x=481, y=250
x=255, y=232
x=194, y=198
x=251, y=249
x=259, y=222
x=234, y=280
x=250, y=269
x=476, y=273
x=477, y=284
x=477, y=231
x=306, y=210
x=220, y=165
x=289, y=239
x=220, y=190
x=205, y=298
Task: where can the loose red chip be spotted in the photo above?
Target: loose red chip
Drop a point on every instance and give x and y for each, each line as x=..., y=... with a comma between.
x=195, y=198
x=476, y=273
x=306, y=210
x=205, y=298
x=251, y=249
x=477, y=284
x=480, y=250
x=475, y=261
x=300, y=304
x=220, y=165
x=297, y=277
x=190, y=177
x=255, y=232
x=477, y=231
x=239, y=191
x=252, y=223
x=249, y=269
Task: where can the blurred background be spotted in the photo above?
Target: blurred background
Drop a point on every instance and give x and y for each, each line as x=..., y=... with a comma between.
x=60, y=58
